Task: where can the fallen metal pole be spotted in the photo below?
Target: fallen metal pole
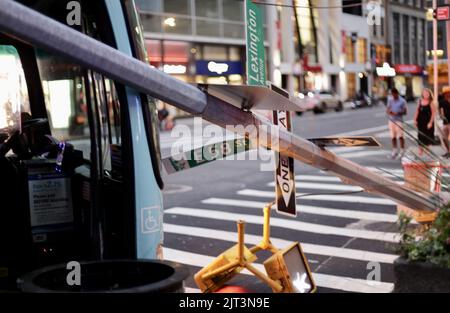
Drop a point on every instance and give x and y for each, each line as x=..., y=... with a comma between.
x=46, y=33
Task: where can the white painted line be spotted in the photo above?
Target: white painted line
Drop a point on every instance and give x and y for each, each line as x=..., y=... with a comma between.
x=321, y=178
x=359, y=215
x=287, y=224
x=346, y=149
x=336, y=198
x=363, y=154
x=366, y=130
x=322, y=186
x=322, y=280
x=318, y=178
x=353, y=254
x=192, y=290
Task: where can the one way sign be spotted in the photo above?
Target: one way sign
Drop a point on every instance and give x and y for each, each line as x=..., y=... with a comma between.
x=284, y=175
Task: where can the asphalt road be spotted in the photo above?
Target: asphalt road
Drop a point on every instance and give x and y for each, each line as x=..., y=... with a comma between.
x=345, y=237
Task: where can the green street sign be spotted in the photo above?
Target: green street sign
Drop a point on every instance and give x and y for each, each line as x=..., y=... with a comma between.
x=256, y=61
x=205, y=154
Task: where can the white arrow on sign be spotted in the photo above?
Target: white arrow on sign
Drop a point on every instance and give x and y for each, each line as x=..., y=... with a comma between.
x=286, y=184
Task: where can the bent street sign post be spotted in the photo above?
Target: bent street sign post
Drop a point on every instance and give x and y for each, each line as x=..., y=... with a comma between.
x=256, y=75
x=44, y=32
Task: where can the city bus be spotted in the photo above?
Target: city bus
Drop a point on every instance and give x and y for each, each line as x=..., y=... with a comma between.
x=80, y=172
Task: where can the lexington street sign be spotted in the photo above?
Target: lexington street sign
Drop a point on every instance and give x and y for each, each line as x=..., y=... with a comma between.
x=256, y=76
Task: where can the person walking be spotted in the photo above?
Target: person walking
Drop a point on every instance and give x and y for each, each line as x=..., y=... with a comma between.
x=424, y=120
x=444, y=112
x=396, y=108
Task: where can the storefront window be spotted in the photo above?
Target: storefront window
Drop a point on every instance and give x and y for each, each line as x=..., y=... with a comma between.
x=349, y=50
x=351, y=85
x=362, y=50
x=215, y=53
x=13, y=91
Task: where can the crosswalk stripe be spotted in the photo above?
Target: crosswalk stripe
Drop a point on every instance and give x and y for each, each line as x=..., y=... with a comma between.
x=191, y=290
x=335, y=187
x=352, y=214
x=353, y=254
x=288, y=224
x=336, y=198
x=322, y=280
x=319, y=178
x=346, y=149
x=362, y=154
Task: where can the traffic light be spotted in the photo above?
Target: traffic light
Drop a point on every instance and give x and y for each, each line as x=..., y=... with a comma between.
x=290, y=268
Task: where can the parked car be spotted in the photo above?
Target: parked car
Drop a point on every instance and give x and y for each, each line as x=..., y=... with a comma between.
x=308, y=101
x=320, y=101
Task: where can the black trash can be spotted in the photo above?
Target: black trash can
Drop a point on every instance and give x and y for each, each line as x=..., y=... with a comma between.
x=109, y=276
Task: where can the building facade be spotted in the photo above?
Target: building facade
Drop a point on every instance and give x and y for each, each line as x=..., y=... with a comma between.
x=197, y=41
x=407, y=36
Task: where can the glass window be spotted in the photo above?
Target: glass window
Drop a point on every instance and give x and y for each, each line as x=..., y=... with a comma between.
x=152, y=23
x=233, y=30
x=177, y=25
x=207, y=8
x=349, y=49
x=362, y=50
x=414, y=40
x=233, y=10
x=215, y=53
x=208, y=28
x=177, y=6
x=397, y=54
x=13, y=91
x=406, y=32
x=150, y=6
x=65, y=100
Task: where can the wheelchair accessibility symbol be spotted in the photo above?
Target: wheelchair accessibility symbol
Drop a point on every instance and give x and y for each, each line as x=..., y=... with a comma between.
x=151, y=220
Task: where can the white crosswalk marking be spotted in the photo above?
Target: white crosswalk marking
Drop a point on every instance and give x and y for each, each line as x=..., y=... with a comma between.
x=363, y=154
x=322, y=280
x=336, y=198
x=353, y=214
x=307, y=185
x=339, y=252
x=246, y=210
x=287, y=224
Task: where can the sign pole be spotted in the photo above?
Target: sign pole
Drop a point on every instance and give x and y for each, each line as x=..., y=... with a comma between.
x=256, y=76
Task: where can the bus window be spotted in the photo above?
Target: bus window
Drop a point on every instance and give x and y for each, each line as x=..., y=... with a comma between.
x=107, y=104
x=13, y=89
x=65, y=100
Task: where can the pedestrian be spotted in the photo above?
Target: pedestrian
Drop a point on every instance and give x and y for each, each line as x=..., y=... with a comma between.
x=444, y=112
x=424, y=120
x=396, y=109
